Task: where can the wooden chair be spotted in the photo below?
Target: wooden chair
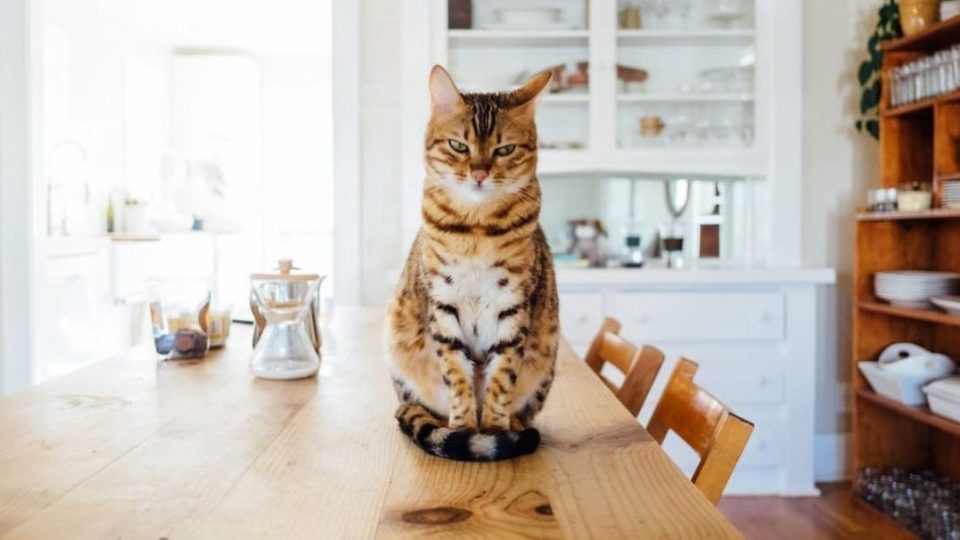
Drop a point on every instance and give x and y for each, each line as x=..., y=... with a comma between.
x=639, y=366
x=717, y=435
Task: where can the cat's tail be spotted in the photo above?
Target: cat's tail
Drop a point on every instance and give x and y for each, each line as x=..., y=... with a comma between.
x=429, y=432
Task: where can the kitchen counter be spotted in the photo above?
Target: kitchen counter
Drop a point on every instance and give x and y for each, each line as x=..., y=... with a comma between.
x=132, y=448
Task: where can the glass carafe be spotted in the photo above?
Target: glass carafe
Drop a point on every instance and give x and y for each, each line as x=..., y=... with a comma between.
x=284, y=350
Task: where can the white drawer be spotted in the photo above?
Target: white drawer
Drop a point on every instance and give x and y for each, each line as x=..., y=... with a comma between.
x=735, y=373
x=699, y=316
x=580, y=315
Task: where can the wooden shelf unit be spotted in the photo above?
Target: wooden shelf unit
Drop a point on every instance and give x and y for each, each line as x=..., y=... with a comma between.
x=921, y=142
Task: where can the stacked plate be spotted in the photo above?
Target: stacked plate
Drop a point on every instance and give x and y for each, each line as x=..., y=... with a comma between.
x=950, y=197
x=914, y=288
x=950, y=304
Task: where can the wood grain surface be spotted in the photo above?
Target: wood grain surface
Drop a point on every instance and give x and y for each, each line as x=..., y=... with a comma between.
x=132, y=448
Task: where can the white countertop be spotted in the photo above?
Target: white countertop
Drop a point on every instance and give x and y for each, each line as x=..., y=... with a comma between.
x=703, y=275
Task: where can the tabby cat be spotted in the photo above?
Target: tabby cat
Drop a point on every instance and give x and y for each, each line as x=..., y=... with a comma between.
x=472, y=328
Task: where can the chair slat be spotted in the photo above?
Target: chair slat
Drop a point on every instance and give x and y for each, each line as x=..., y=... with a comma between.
x=717, y=435
x=639, y=366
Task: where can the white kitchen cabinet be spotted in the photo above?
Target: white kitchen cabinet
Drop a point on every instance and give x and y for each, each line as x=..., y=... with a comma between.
x=751, y=332
x=76, y=321
x=744, y=130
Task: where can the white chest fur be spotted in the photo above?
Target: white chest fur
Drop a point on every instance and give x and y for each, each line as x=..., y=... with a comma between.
x=474, y=287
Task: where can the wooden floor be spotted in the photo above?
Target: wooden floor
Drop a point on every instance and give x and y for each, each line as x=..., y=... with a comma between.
x=833, y=515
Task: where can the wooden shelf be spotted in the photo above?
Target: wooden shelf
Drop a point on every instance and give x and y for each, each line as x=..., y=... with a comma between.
x=920, y=414
x=889, y=524
x=939, y=36
x=684, y=98
x=921, y=106
x=934, y=213
x=929, y=315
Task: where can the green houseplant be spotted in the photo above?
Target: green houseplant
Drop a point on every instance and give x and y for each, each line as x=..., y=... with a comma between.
x=870, y=71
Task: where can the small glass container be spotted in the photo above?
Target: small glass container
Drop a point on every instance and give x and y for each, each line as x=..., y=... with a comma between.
x=913, y=197
x=671, y=243
x=284, y=350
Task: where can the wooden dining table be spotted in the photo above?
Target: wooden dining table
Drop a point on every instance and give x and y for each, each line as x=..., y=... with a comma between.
x=133, y=447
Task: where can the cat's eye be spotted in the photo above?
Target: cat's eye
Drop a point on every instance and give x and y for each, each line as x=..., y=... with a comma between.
x=458, y=146
x=505, y=150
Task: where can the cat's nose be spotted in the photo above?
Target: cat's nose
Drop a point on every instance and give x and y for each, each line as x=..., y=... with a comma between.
x=479, y=176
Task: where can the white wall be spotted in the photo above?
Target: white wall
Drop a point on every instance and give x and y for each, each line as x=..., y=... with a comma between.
x=839, y=165
x=380, y=147
x=15, y=197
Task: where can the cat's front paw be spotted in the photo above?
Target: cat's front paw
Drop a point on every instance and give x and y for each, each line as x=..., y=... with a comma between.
x=463, y=422
x=493, y=422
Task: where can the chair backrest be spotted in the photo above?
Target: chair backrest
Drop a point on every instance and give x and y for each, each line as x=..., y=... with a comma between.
x=717, y=435
x=638, y=366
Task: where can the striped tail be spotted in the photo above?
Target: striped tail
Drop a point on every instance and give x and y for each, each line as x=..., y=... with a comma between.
x=429, y=432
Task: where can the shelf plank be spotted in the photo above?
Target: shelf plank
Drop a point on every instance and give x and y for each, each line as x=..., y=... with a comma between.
x=928, y=315
x=886, y=523
x=934, y=213
x=946, y=177
x=684, y=98
x=939, y=36
x=921, y=106
x=508, y=38
x=920, y=413
x=566, y=98
x=627, y=36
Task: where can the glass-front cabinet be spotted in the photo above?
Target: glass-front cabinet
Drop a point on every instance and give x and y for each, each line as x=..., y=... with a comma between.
x=645, y=94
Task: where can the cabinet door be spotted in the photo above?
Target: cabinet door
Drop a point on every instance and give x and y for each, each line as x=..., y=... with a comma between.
x=77, y=322
x=580, y=316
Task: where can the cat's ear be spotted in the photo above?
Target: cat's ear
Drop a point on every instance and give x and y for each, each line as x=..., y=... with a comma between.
x=444, y=96
x=527, y=96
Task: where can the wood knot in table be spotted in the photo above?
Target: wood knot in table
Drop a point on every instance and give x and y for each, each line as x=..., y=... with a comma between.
x=531, y=504
x=441, y=515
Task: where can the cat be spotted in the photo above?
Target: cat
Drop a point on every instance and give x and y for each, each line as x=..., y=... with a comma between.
x=473, y=326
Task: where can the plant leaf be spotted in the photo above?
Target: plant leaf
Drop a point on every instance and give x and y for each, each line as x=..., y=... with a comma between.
x=873, y=128
x=871, y=97
x=865, y=72
x=859, y=125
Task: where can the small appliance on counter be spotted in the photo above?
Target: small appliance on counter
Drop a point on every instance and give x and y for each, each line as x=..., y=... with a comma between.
x=286, y=337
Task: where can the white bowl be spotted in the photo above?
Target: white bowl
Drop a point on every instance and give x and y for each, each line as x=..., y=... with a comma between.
x=907, y=389
x=478, y=81
x=949, y=9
